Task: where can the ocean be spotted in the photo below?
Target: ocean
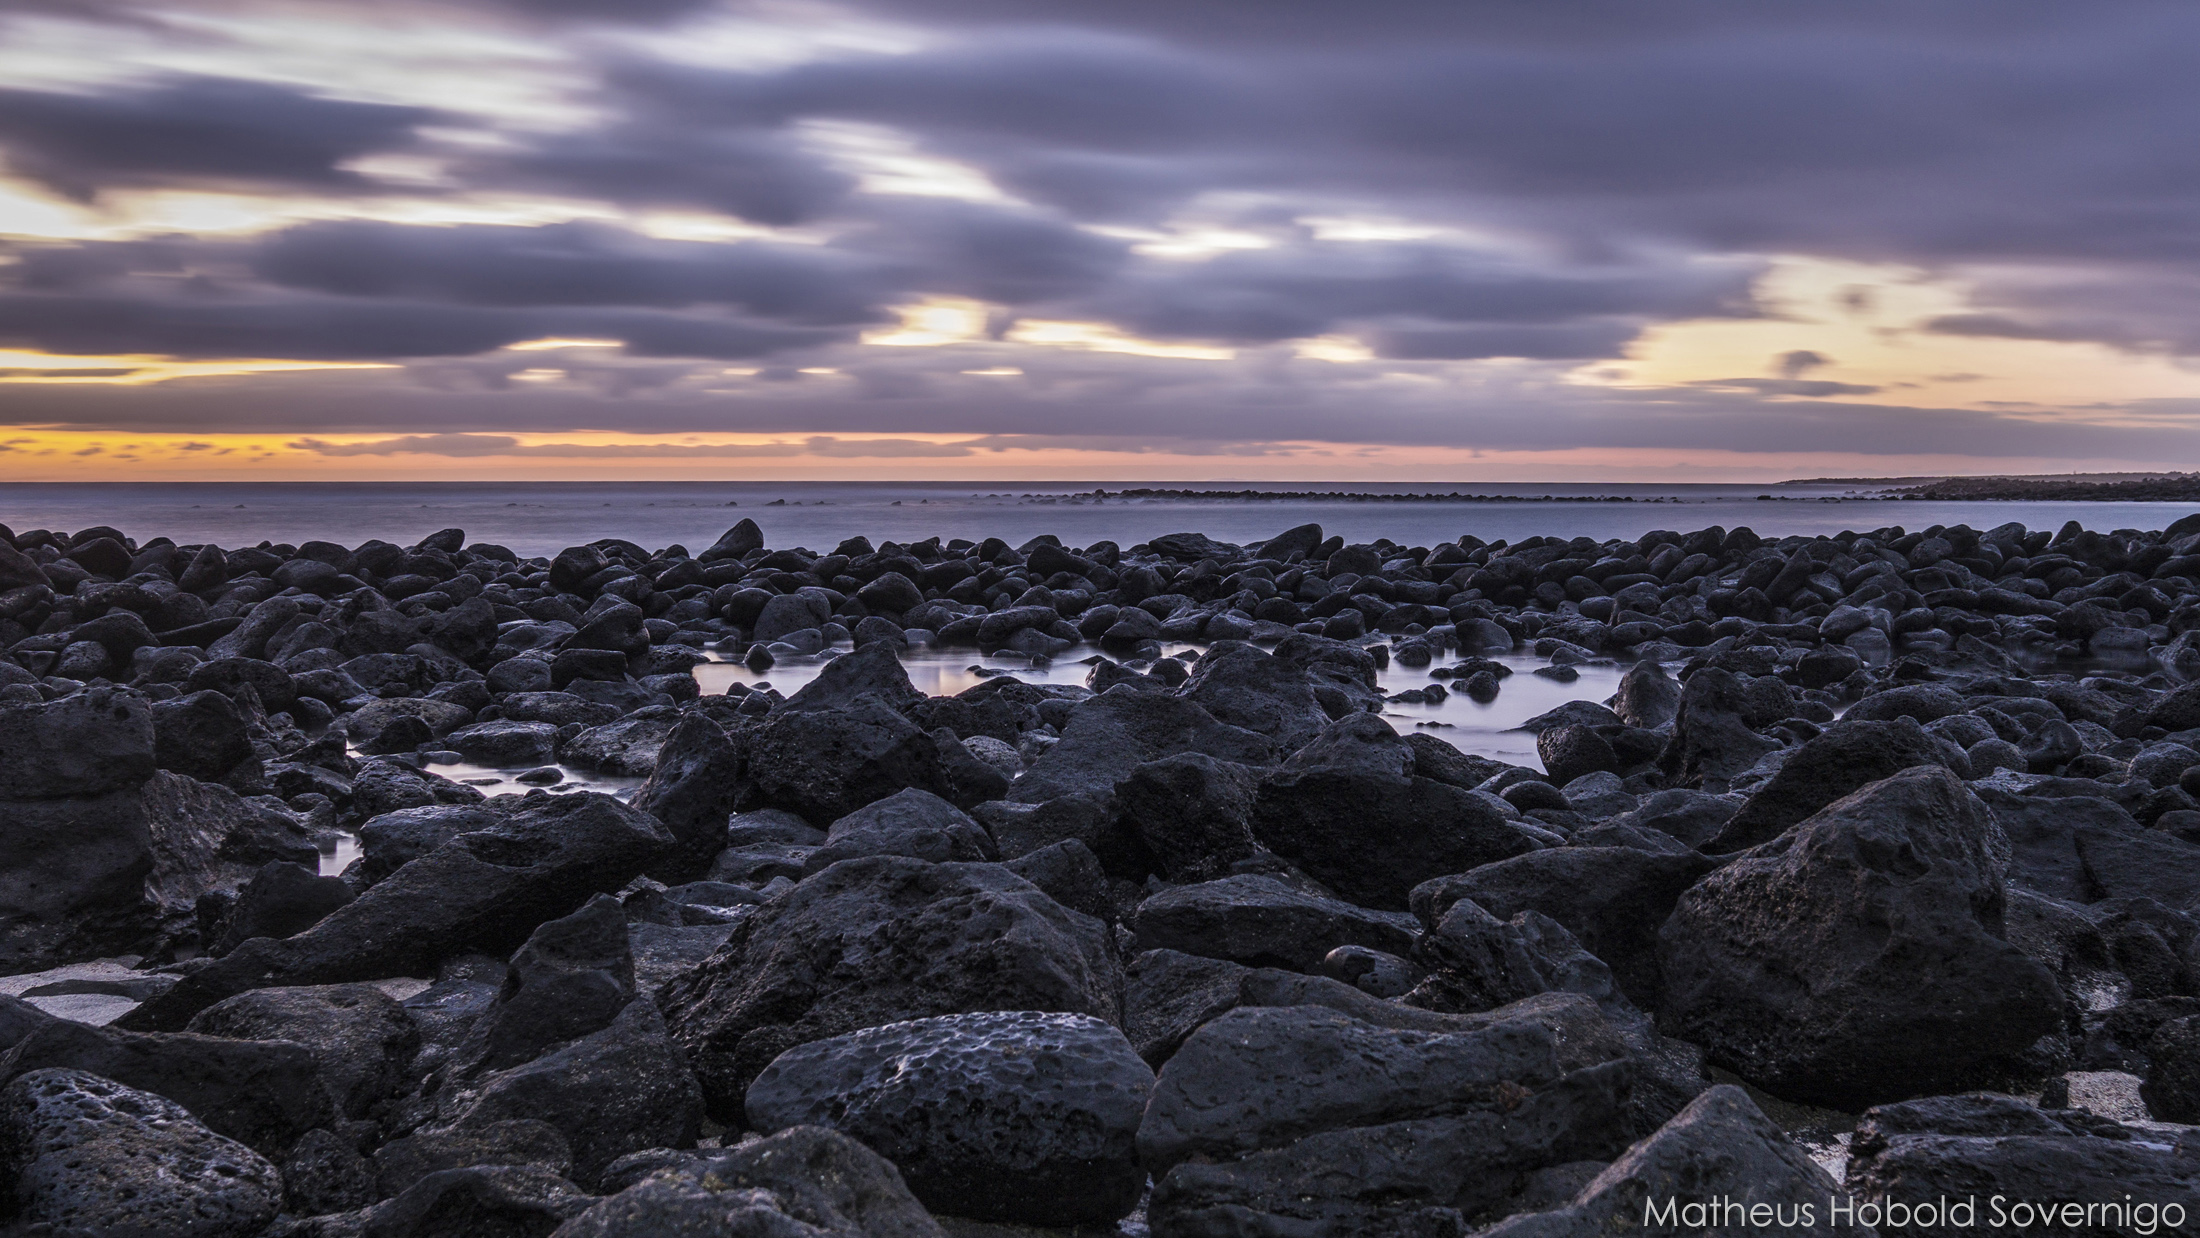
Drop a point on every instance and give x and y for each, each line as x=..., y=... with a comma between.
x=541, y=518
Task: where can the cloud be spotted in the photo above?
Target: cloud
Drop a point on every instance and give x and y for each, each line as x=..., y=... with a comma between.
x=1798, y=362
x=197, y=130
x=572, y=264
x=1571, y=342
x=1437, y=184
x=761, y=176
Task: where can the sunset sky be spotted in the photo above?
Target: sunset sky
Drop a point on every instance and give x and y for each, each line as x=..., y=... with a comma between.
x=1498, y=240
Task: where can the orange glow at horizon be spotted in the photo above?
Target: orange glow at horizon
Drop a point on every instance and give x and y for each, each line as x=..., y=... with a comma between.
x=33, y=454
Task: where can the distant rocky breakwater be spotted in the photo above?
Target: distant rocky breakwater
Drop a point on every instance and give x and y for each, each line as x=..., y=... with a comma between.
x=1899, y=826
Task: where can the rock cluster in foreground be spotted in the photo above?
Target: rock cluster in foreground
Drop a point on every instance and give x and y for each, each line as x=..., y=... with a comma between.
x=1900, y=825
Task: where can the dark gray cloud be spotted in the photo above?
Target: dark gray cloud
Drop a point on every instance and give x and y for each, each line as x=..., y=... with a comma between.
x=334, y=329
x=572, y=264
x=755, y=175
x=197, y=131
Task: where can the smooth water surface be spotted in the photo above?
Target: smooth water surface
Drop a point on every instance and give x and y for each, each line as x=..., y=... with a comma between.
x=1482, y=729
x=541, y=518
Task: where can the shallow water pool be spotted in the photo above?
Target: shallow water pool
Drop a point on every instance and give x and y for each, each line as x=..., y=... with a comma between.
x=1482, y=729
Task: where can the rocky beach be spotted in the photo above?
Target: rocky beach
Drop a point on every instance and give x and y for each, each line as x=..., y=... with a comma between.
x=421, y=891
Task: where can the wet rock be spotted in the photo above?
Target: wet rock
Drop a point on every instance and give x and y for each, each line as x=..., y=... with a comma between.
x=881, y=940
x=874, y=671
x=281, y=899
x=200, y=735
x=362, y=1036
x=504, y=744
x=1974, y=1148
x=1304, y=1120
x=1613, y=899
x=611, y=1092
x=557, y=709
x=1244, y=687
x=800, y=1182
x=1111, y=734
x=262, y=1093
x=1712, y=740
x=1846, y=757
x=365, y=726
x=571, y=978
x=627, y=748
x=1016, y=1116
x=1569, y=752
x=1648, y=697
x=81, y=1154
x=738, y=542
x=1369, y=831
x=1191, y=813
x=1721, y=1147
x=701, y=775
x=486, y=888
x=386, y=786
x=396, y=838
x=400, y=1163
x=1261, y=922
x=480, y=1199
x=1858, y=958
x=825, y=763
x=911, y=823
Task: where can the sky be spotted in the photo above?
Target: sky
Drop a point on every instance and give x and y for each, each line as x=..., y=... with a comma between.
x=1440, y=240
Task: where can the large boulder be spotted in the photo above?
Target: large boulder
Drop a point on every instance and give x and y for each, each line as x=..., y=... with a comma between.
x=1111, y=734
x=909, y=822
x=571, y=978
x=882, y=940
x=361, y=1036
x=1975, y=1148
x=200, y=735
x=874, y=671
x=1845, y=757
x=1244, y=687
x=262, y=1093
x=1261, y=922
x=391, y=840
x=482, y=890
x=86, y=744
x=81, y=1154
x=1350, y=813
x=822, y=764
x=1612, y=899
x=1190, y=814
x=615, y=1091
x=1013, y=1116
x=90, y=875
x=1720, y=1150
x=1859, y=957
x=1288, y=1120
x=1712, y=740
x=700, y=777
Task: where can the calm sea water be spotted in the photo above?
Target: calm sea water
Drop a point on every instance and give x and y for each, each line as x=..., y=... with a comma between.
x=540, y=518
